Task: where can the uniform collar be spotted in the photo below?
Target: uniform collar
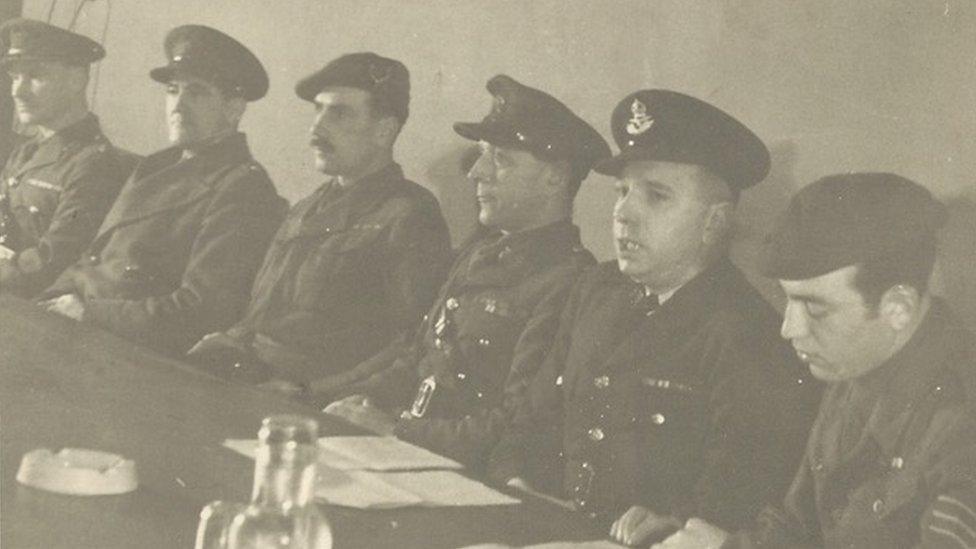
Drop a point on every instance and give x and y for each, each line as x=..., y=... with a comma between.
x=229, y=149
x=327, y=211
x=498, y=259
x=914, y=373
x=51, y=149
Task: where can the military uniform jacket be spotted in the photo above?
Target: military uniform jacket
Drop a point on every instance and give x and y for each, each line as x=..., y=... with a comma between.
x=53, y=196
x=696, y=408
x=907, y=476
x=347, y=274
x=483, y=340
x=176, y=255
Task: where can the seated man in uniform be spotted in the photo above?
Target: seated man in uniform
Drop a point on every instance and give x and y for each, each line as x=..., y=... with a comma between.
x=357, y=263
x=177, y=252
x=495, y=316
x=58, y=185
x=666, y=393
x=891, y=459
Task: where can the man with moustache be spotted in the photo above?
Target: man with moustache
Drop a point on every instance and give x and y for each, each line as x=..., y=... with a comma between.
x=494, y=318
x=357, y=263
x=176, y=254
x=891, y=459
x=666, y=393
x=56, y=186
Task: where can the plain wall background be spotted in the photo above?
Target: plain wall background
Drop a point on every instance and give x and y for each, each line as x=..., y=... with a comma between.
x=831, y=86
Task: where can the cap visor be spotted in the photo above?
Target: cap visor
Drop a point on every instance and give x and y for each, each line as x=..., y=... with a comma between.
x=163, y=75
x=613, y=165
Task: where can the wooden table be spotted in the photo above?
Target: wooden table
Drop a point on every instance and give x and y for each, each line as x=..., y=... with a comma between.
x=65, y=384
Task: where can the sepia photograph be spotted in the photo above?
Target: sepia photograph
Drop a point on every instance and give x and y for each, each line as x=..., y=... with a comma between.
x=487, y=274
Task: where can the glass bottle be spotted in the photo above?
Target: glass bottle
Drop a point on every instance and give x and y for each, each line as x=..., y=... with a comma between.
x=282, y=513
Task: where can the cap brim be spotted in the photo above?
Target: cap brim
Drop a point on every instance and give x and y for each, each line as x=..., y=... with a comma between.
x=8, y=60
x=615, y=164
x=479, y=131
x=163, y=75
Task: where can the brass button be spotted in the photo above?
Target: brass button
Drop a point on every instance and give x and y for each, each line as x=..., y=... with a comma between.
x=484, y=342
x=897, y=463
x=452, y=304
x=461, y=376
x=93, y=259
x=595, y=434
x=658, y=419
x=877, y=506
x=601, y=382
x=559, y=381
x=33, y=209
x=438, y=343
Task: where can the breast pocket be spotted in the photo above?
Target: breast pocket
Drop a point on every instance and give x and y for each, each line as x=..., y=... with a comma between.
x=342, y=269
x=671, y=418
x=488, y=328
x=33, y=204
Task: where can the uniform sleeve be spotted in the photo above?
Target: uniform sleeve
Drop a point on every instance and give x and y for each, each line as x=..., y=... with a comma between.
x=469, y=439
x=762, y=405
x=89, y=189
x=418, y=255
x=537, y=417
x=233, y=237
x=949, y=521
x=791, y=525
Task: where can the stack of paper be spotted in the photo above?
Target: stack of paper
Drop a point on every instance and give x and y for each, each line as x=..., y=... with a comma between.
x=383, y=472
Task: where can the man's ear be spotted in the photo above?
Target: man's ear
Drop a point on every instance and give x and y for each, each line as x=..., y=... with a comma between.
x=234, y=109
x=386, y=130
x=718, y=222
x=899, y=305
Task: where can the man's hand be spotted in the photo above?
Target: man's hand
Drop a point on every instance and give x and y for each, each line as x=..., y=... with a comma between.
x=640, y=523
x=697, y=534
x=358, y=410
x=68, y=305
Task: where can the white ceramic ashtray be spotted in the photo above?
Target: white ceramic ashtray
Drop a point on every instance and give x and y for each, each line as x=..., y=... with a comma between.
x=78, y=472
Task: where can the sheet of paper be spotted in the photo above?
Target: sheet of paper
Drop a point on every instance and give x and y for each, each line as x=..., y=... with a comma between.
x=327, y=458
x=385, y=453
x=447, y=489
x=361, y=490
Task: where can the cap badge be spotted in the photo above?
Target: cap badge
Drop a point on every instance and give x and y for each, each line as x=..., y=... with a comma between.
x=639, y=121
x=378, y=73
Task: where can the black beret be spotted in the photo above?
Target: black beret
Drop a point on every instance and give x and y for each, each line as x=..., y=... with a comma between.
x=207, y=53
x=388, y=80
x=674, y=127
x=529, y=119
x=847, y=219
x=30, y=40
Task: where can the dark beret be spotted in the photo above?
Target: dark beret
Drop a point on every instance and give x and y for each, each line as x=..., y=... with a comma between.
x=674, y=127
x=847, y=219
x=30, y=40
x=529, y=119
x=207, y=53
x=388, y=80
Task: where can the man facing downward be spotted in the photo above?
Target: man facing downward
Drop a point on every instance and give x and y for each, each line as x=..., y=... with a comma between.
x=176, y=254
x=666, y=393
x=494, y=318
x=58, y=185
x=357, y=263
x=891, y=460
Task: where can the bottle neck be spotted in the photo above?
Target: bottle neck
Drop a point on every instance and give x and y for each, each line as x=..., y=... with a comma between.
x=284, y=476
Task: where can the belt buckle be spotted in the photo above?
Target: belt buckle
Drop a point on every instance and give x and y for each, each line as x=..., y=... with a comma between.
x=424, y=393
